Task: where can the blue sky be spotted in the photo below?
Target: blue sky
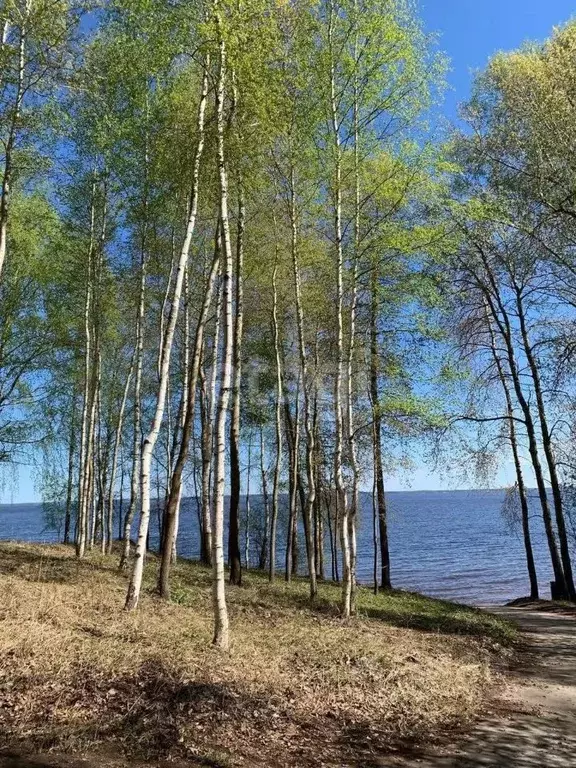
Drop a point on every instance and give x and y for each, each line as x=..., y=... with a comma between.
x=470, y=31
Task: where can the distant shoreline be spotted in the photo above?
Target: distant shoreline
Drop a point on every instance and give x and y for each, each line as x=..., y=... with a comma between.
x=365, y=493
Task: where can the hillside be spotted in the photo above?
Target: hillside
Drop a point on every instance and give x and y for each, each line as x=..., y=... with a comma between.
x=79, y=675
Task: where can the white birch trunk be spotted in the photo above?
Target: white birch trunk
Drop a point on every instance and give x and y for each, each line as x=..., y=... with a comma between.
x=353, y=515
x=306, y=384
x=137, y=437
x=101, y=459
x=221, y=624
x=234, y=559
x=185, y=401
x=135, y=584
x=137, y=418
x=165, y=300
x=82, y=523
x=10, y=142
x=92, y=447
x=208, y=431
x=170, y=517
x=116, y=450
x=338, y=410
x=293, y=435
x=100, y=476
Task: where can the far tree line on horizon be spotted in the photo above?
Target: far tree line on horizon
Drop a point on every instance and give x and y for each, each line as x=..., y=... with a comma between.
x=236, y=256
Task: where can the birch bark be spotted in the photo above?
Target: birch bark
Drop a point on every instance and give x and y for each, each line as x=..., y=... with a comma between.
x=137, y=435
x=338, y=406
x=10, y=142
x=293, y=440
x=221, y=623
x=209, y=413
x=306, y=386
x=353, y=513
x=115, y=453
x=135, y=584
x=234, y=559
x=81, y=528
x=171, y=516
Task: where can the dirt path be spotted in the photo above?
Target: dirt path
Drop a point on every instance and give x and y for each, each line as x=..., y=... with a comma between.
x=538, y=727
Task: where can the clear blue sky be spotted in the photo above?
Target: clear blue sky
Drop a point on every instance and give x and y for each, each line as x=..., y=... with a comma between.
x=470, y=31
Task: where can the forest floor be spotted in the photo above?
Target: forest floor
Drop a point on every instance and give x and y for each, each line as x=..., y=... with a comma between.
x=533, y=723
x=81, y=678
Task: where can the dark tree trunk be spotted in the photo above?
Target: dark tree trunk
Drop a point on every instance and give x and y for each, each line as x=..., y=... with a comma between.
x=206, y=453
x=318, y=520
x=172, y=458
x=548, y=452
x=336, y=526
x=263, y=556
x=375, y=537
x=525, y=522
x=385, y=580
x=502, y=322
x=278, y=422
x=518, y=467
x=319, y=536
x=292, y=541
x=121, y=498
x=234, y=559
x=234, y=556
x=71, y=455
x=171, y=518
x=331, y=536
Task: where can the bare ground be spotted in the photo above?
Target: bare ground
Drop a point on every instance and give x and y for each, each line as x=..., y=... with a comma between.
x=85, y=685
x=533, y=723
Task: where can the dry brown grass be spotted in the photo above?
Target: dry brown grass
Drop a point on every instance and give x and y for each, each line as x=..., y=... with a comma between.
x=300, y=687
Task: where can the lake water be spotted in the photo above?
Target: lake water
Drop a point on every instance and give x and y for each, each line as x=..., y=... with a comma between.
x=449, y=544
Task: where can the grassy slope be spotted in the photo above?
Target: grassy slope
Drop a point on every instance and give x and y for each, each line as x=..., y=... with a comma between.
x=299, y=686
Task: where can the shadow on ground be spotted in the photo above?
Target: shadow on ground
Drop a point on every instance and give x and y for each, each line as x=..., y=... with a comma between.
x=520, y=741
x=162, y=707
x=538, y=727
x=16, y=760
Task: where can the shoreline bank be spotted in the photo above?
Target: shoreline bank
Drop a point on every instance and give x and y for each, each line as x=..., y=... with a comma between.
x=80, y=675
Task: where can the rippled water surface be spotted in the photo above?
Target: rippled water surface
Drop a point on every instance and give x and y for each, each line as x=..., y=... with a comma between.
x=452, y=544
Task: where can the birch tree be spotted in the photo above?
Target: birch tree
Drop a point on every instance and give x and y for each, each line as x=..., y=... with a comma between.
x=35, y=50
x=166, y=350
x=221, y=623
